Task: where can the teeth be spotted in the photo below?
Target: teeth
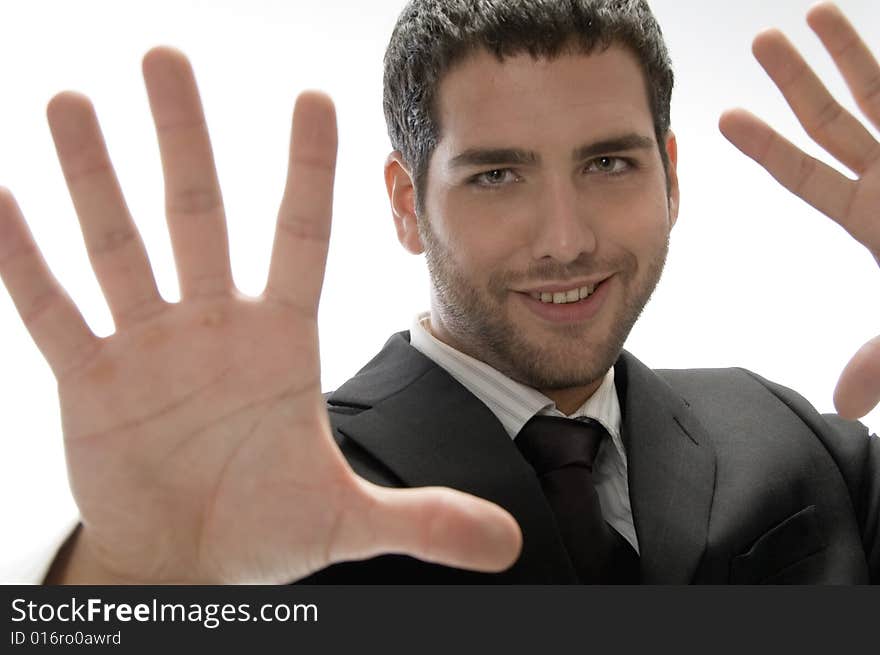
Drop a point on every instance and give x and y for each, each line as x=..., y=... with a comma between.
x=564, y=297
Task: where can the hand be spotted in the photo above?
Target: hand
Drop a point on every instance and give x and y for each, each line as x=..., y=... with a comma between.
x=197, y=441
x=854, y=204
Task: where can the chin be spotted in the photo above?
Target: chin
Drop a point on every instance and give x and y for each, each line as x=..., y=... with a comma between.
x=561, y=368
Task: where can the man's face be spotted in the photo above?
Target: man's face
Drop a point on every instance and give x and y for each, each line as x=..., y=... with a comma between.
x=547, y=179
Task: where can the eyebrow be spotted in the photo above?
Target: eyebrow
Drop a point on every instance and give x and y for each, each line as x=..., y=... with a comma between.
x=499, y=156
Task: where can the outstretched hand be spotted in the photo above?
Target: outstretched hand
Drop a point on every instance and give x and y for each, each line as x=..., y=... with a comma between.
x=197, y=441
x=854, y=204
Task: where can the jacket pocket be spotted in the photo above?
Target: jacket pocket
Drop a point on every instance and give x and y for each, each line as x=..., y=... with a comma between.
x=778, y=550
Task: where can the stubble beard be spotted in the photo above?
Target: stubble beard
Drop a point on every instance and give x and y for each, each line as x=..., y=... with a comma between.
x=477, y=322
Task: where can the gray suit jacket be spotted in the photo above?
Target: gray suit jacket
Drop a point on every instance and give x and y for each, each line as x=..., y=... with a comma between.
x=733, y=479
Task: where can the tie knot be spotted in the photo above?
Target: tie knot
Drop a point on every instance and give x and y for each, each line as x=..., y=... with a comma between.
x=551, y=442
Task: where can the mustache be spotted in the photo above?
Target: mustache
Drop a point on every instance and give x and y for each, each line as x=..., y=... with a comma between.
x=542, y=271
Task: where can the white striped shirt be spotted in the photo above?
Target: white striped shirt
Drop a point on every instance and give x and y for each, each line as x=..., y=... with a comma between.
x=514, y=404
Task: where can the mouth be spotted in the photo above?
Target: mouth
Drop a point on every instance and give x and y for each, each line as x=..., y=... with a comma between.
x=572, y=295
x=558, y=305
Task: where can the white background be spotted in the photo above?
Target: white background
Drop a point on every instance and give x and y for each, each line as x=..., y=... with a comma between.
x=755, y=277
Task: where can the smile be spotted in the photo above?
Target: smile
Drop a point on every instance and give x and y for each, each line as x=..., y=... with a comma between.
x=568, y=306
x=564, y=297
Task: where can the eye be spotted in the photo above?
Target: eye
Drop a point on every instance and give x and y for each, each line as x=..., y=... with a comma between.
x=609, y=165
x=495, y=177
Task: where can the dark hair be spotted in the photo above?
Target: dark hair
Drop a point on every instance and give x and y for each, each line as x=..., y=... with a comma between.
x=431, y=36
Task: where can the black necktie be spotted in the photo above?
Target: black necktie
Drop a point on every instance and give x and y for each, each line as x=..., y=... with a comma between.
x=562, y=451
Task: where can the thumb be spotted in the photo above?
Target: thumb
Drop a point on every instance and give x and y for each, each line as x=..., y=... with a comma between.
x=858, y=389
x=443, y=526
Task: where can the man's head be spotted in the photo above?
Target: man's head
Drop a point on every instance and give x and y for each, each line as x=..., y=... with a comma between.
x=533, y=153
x=432, y=36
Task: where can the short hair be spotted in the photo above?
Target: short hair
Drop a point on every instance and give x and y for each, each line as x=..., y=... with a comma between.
x=431, y=36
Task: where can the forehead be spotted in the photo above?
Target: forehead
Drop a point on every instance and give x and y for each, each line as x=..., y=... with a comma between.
x=483, y=100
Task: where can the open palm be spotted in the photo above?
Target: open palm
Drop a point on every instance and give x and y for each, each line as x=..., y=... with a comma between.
x=197, y=440
x=854, y=204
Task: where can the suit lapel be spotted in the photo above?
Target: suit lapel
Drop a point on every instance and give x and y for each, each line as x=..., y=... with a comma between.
x=429, y=430
x=671, y=474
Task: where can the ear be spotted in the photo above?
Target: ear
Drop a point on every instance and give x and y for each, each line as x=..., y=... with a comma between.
x=402, y=195
x=674, y=195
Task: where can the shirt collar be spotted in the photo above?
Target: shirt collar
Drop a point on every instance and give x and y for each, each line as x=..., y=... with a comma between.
x=512, y=402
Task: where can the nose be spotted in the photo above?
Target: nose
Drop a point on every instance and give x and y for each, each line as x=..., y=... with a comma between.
x=562, y=229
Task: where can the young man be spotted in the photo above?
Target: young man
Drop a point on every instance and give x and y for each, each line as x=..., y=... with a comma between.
x=535, y=166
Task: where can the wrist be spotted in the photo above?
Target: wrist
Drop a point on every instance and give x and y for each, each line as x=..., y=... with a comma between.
x=76, y=564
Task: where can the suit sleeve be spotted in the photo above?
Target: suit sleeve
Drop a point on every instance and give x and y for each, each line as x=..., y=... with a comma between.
x=857, y=454
x=865, y=489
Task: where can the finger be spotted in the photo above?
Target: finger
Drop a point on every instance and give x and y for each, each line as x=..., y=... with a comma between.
x=114, y=245
x=824, y=119
x=817, y=183
x=52, y=319
x=442, y=526
x=193, y=203
x=858, y=389
x=853, y=58
x=302, y=233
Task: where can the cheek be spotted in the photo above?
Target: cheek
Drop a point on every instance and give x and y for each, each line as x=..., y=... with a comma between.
x=638, y=222
x=483, y=234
